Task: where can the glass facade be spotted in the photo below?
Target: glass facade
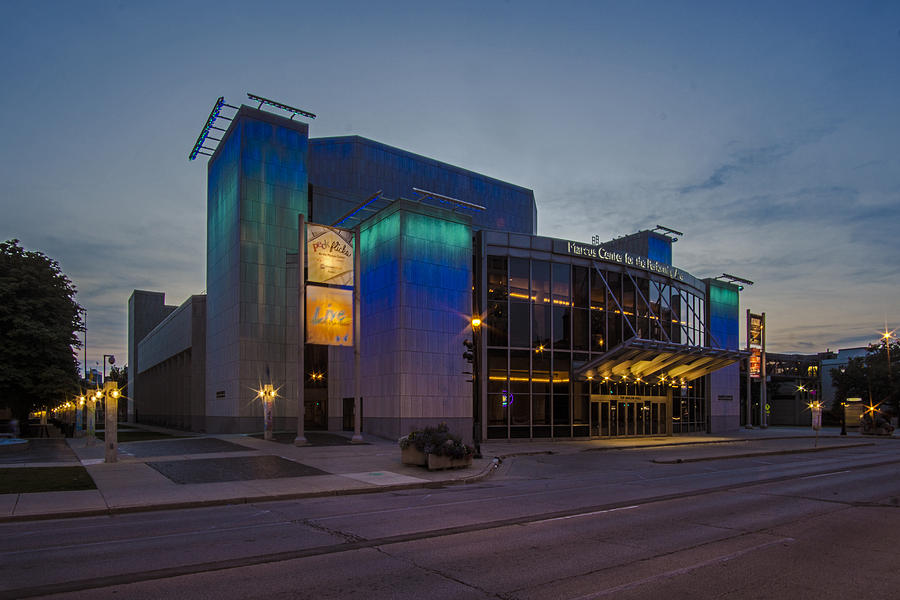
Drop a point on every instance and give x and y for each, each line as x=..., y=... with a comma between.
x=545, y=318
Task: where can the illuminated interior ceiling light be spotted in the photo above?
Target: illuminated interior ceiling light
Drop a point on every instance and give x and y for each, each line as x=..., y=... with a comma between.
x=294, y=111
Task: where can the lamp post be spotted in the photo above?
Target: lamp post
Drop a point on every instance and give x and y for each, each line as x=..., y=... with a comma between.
x=267, y=394
x=471, y=355
x=887, y=336
x=111, y=432
x=843, y=417
x=79, y=416
x=112, y=361
x=92, y=400
x=84, y=312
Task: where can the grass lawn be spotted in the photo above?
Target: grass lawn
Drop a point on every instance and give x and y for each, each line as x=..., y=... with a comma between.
x=138, y=436
x=44, y=479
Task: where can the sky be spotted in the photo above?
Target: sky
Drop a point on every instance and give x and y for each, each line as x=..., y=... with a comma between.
x=767, y=132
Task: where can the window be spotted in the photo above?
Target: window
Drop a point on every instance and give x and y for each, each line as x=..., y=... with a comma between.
x=580, y=281
x=540, y=327
x=540, y=282
x=518, y=279
x=519, y=324
x=496, y=278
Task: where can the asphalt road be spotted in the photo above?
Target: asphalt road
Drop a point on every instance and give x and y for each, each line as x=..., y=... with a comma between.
x=611, y=524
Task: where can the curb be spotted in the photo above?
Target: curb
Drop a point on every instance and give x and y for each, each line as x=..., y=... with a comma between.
x=702, y=442
x=486, y=471
x=672, y=461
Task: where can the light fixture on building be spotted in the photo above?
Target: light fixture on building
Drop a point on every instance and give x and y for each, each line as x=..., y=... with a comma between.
x=294, y=111
x=668, y=232
x=735, y=280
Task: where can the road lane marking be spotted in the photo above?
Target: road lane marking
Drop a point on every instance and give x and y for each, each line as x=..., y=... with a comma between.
x=587, y=514
x=824, y=475
x=682, y=571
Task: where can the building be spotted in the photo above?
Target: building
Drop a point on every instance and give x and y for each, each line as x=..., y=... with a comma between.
x=577, y=339
x=839, y=360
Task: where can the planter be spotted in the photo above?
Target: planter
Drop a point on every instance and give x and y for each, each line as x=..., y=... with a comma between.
x=436, y=462
x=413, y=456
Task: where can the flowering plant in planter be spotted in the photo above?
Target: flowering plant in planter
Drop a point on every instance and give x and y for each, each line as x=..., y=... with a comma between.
x=437, y=441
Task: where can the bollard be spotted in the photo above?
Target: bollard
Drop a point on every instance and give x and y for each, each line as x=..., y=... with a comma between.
x=111, y=435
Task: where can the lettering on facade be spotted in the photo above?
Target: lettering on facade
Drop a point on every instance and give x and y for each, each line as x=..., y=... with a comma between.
x=625, y=258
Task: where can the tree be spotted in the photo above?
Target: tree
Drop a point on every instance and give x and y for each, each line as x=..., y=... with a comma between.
x=39, y=319
x=867, y=377
x=120, y=376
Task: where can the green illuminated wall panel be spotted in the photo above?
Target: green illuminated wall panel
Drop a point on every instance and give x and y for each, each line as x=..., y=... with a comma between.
x=257, y=188
x=416, y=303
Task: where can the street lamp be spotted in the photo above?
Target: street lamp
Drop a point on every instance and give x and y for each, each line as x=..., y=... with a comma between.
x=887, y=336
x=471, y=355
x=111, y=414
x=112, y=361
x=267, y=394
x=84, y=322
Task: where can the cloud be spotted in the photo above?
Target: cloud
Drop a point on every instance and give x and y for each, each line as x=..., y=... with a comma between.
x=750, y=159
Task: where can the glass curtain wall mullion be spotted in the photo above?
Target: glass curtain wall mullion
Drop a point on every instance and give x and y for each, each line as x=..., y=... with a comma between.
x=598, y=313
x=519, y=398
x=647, y=303
x=497, y=385
x=615, y=299
x=688, y=316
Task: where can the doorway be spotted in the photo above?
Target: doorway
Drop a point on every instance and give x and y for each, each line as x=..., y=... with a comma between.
x=632, y=416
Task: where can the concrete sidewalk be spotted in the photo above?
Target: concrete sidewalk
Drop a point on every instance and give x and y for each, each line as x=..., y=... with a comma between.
x=137, y=483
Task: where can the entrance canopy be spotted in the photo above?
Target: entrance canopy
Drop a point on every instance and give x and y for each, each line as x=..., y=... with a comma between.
x=658, y=362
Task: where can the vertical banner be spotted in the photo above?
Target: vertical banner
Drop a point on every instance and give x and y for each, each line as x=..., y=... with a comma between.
x=755, y=362
x=755, y=327
x=755, y=331
x=329, y=316
x=329, y=252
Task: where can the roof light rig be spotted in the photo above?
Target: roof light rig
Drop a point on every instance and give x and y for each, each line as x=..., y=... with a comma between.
x=735, y=280
x=216, y=113
x=447, y=199
x=668, y=232
x=294, y=111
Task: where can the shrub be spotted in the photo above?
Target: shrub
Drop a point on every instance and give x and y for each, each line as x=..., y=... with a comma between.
x=438, y=441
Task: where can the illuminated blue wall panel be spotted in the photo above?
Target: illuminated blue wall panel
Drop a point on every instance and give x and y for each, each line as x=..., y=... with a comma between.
x=416, y=284
x=356, y=168
x=723, y=305
x=659, y=249
x=257, y=188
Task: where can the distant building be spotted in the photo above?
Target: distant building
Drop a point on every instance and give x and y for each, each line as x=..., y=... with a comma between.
x=836, y=361
x=579, y=340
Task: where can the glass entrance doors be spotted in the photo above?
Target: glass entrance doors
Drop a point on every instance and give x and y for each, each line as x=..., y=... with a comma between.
x=639, y=416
